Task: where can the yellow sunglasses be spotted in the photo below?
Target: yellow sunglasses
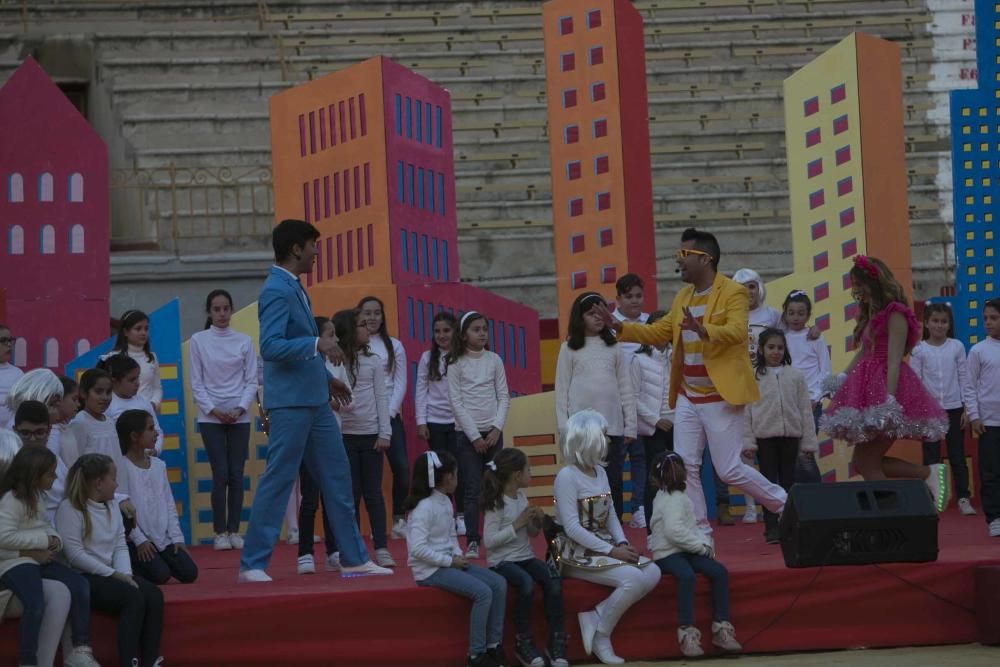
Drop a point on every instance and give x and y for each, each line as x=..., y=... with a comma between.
x=684, y=253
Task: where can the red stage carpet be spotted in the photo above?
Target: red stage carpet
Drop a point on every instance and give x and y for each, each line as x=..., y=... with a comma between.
x=325, y=620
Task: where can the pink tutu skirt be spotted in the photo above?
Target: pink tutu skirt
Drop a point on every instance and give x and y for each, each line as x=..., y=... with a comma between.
x=861, y=411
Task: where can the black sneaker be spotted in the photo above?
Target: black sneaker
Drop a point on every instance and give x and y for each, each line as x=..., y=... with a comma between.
x=557, y=650
x=526, y=653
x=482, y=660
x=499, y=657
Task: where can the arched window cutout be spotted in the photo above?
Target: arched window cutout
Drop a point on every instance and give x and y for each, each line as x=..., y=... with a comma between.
x=21, y=352
x=51, y=353
x=82, y=346
x=15, y=240
x=76, y=246
x=76, y=187
x=45, y=187
x=15, y=189
x=48, y=240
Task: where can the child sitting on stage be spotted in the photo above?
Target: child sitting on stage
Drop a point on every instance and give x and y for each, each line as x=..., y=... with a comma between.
x=435, y=559
x=681, y=549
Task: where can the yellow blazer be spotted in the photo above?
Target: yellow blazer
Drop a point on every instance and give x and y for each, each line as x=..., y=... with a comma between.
x=725, y=351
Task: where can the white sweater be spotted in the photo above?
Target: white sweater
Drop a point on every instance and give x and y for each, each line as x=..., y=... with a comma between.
x=650, y=376
x=673, y=528
x=783, y=410
x=983, y=398
x=431, y=539
x=596, y=377
x=942, y=369
x=502, y=542
x=95, y=436
x=137, y=402
x=368, y=412
x=155, y=509
x=57, y=492
x=573, y=485
x=431, y=397
x=812, y=357
x=9, y=374
x=395, y=380
x=150, y=387
x=477, y=387
x=223, y=366
x=104, y=552
x=21, y=532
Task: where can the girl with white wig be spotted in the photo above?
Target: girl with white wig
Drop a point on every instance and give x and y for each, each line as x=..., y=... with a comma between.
x=40, y=385
x=591, y=545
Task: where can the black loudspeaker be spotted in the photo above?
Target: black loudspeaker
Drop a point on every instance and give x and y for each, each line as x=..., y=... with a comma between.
x=858, y=523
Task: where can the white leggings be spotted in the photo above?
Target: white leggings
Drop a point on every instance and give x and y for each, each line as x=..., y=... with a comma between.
x=57, y=602
x=631, y=584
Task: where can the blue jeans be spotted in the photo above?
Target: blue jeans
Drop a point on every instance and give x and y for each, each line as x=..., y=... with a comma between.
x=637, y=472
x=488, y=592
x=399, y=463
x=522, y=576
x=310, y=435
x=683, y=566
x=366, y=473
x=25, y=581
x=227, y=446
x=470, y=470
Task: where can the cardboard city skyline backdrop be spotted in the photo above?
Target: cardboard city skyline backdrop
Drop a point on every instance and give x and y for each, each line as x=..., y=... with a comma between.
x=373, y=143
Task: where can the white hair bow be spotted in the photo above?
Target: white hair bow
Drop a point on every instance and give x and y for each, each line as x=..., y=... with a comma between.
x=433, y=461
x=492, y=465
x=469, y=314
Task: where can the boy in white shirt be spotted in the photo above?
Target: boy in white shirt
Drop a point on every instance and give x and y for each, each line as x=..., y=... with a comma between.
x=9, y=373
x=982, y=403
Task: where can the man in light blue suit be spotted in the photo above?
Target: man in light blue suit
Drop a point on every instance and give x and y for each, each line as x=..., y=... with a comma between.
x=297, y=391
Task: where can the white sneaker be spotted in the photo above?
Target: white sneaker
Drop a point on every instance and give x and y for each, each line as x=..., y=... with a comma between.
x=965, y=507
x=81, y=656
x=253, y=577
x=305, y=565
x=222, y=542
x=638, y=518
x=384, y=558
x=472, y=551
x=995, y=528
x=363, y=570
x=333, y=562
x=689, y=639
x=399, y=529
x=460, y=524
x=588, y=628
x=293, y=536
x=236, y=541
x=724, y=637
x=939, y=483
x=604, y=651
x=750, y=515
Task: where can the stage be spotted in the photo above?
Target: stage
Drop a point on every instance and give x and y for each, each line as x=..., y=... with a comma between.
x=323, y=619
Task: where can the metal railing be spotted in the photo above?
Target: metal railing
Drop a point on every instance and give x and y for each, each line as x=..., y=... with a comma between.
x=191, y=209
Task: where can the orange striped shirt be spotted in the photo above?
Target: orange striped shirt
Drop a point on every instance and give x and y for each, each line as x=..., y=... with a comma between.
x=696, y=385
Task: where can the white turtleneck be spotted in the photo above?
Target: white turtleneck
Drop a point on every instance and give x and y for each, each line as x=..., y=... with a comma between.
x=104, y=551
x=223, y=372
x=149, y=375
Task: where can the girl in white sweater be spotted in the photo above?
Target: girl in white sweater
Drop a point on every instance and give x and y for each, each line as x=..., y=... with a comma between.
x=435, y=558
x=940, y=362
x=477, y=387
x=595, y=548
x=778, y=427
x=90, y=525
x=28, y=544
x=124, y=372
x=393, y=356
x=223, y=366
x=365, y=425
x=133, y=341
x=681, y=549
x=94, y=431
x=510, y=523
x=435, y=419
x=592, y=374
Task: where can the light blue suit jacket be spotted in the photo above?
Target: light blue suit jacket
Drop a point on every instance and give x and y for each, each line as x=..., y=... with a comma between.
x=294, y=374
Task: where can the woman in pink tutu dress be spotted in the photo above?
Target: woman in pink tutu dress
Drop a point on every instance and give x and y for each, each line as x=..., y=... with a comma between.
x=880, y=399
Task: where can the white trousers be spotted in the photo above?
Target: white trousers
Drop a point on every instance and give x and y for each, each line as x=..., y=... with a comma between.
x=720, y=426
x=631, y=584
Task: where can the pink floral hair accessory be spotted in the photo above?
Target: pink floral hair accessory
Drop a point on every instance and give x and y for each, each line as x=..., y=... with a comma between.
x=863, y=263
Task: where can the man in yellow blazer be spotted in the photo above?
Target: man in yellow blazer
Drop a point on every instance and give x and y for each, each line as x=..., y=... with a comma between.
x=710, y=375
